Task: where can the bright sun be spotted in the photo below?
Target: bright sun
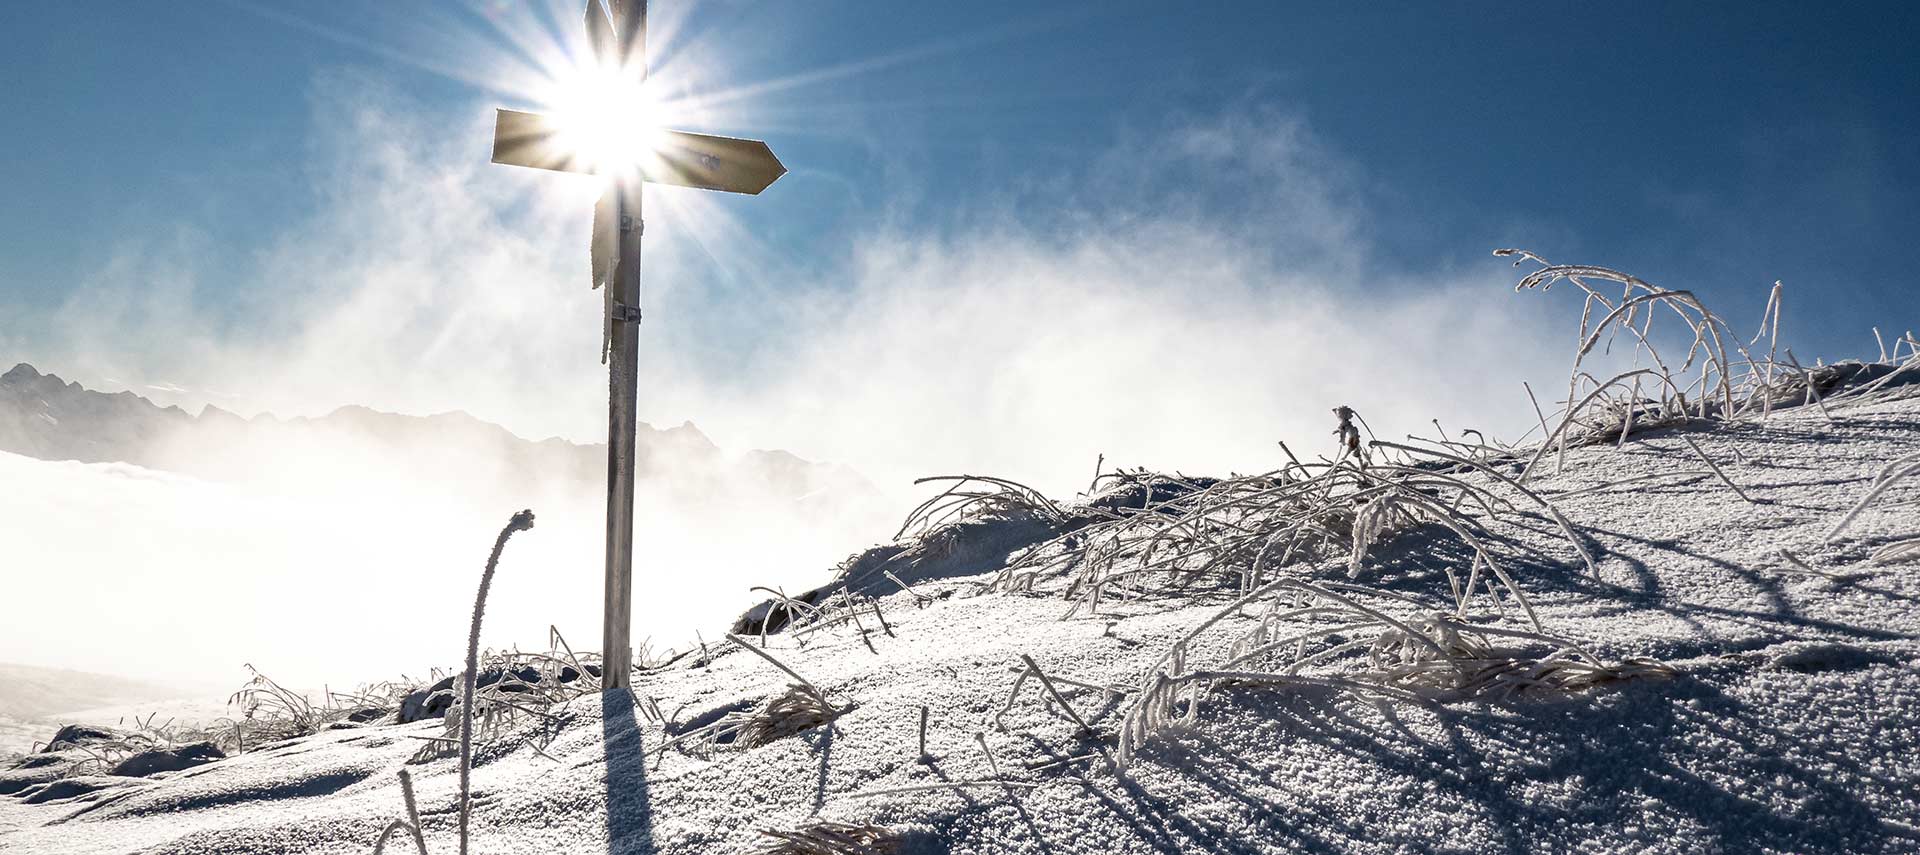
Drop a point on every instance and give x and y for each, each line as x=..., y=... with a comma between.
x=607, y=119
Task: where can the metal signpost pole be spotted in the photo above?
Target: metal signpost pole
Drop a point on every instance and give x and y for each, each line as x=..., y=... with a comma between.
x=623, y=364
x=679, y=158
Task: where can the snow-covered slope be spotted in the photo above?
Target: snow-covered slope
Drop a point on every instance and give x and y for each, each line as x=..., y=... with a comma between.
x=1791, y=722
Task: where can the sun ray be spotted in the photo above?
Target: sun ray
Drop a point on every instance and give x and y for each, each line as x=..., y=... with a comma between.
x=409, y=57
x=535, y=56
x=941, y=47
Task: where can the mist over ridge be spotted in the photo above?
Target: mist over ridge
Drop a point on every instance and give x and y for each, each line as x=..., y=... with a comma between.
x=332, y=549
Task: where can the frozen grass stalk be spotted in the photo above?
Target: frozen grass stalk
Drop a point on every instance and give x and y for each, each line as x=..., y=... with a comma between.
x=924, y=757
x=1894, y=471
x=1716, y=469
x=520, y=522
x=1085, y=729
x=411, y=824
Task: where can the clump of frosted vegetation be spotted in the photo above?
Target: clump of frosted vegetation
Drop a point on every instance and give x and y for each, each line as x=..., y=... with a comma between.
x=1347, y=637
x=1718, y=377
x=803, y=707
x=1382, y=572
x=1267, y=537
x=1279, y=539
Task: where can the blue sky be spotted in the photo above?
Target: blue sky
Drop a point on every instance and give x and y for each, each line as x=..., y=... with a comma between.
x=1016, y=237
x=1713, y=146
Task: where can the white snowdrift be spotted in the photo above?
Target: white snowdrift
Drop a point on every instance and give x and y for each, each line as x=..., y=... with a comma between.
x=1793, y=724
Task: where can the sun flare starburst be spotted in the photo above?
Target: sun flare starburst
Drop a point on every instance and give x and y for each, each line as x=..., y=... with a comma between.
x=607, y=118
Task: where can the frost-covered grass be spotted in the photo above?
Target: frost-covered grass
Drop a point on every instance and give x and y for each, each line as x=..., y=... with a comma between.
x=1677, y=637
x=802, y=707
x=1899, y=550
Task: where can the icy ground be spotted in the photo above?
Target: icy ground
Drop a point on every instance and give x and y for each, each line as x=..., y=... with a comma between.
x=1793, y=724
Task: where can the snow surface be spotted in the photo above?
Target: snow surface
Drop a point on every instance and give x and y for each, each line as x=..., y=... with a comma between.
x=1793, y=726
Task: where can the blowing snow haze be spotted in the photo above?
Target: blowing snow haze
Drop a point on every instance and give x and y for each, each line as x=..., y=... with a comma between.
x=328, y=548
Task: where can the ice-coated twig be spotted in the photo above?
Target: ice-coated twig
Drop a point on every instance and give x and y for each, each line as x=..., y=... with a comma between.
x=1799, y=565
x=1559, y=434
x=1894, y=471
x=993, y=763
x=1044, y=765
x=999, y=717
x=804, y=682
x=1812, y=394
x=411, y=824
x=853, y=613
x=975, y=783
x=1085, y=729
x=919, y=600
x=1897, y=551
x=923, y=758
x=1865, y=393
x=955, y=503
x=1716, y=469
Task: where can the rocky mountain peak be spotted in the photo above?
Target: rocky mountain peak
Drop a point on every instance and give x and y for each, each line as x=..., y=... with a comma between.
x=21, y=373
x=45, y=417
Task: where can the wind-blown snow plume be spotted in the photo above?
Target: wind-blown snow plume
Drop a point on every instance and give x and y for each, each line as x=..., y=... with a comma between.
x=424, y=282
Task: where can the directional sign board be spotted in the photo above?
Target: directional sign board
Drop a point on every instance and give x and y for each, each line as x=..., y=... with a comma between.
x=617, y=31
x=679, y=158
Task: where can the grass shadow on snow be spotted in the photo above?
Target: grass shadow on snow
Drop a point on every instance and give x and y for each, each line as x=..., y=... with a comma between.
x=1413, y=561
x=1687, y=600
x=1632, y=767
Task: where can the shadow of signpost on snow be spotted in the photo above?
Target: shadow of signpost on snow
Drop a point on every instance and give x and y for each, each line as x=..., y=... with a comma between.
x=629, y=812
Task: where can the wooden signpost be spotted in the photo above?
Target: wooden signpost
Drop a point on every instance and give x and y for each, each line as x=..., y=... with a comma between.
x=618, y=32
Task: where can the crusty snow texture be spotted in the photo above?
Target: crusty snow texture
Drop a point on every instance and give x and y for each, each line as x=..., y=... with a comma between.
x=1793, y=724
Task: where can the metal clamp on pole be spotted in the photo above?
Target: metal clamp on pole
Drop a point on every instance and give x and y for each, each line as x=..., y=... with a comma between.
x=623, y=313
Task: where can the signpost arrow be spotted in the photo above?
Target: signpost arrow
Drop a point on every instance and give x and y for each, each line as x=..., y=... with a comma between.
x=675, y=157
x=679, y=158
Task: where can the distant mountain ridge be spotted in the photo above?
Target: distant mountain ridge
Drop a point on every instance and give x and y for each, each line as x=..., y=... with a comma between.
x=45, y=417
x=28, y=691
